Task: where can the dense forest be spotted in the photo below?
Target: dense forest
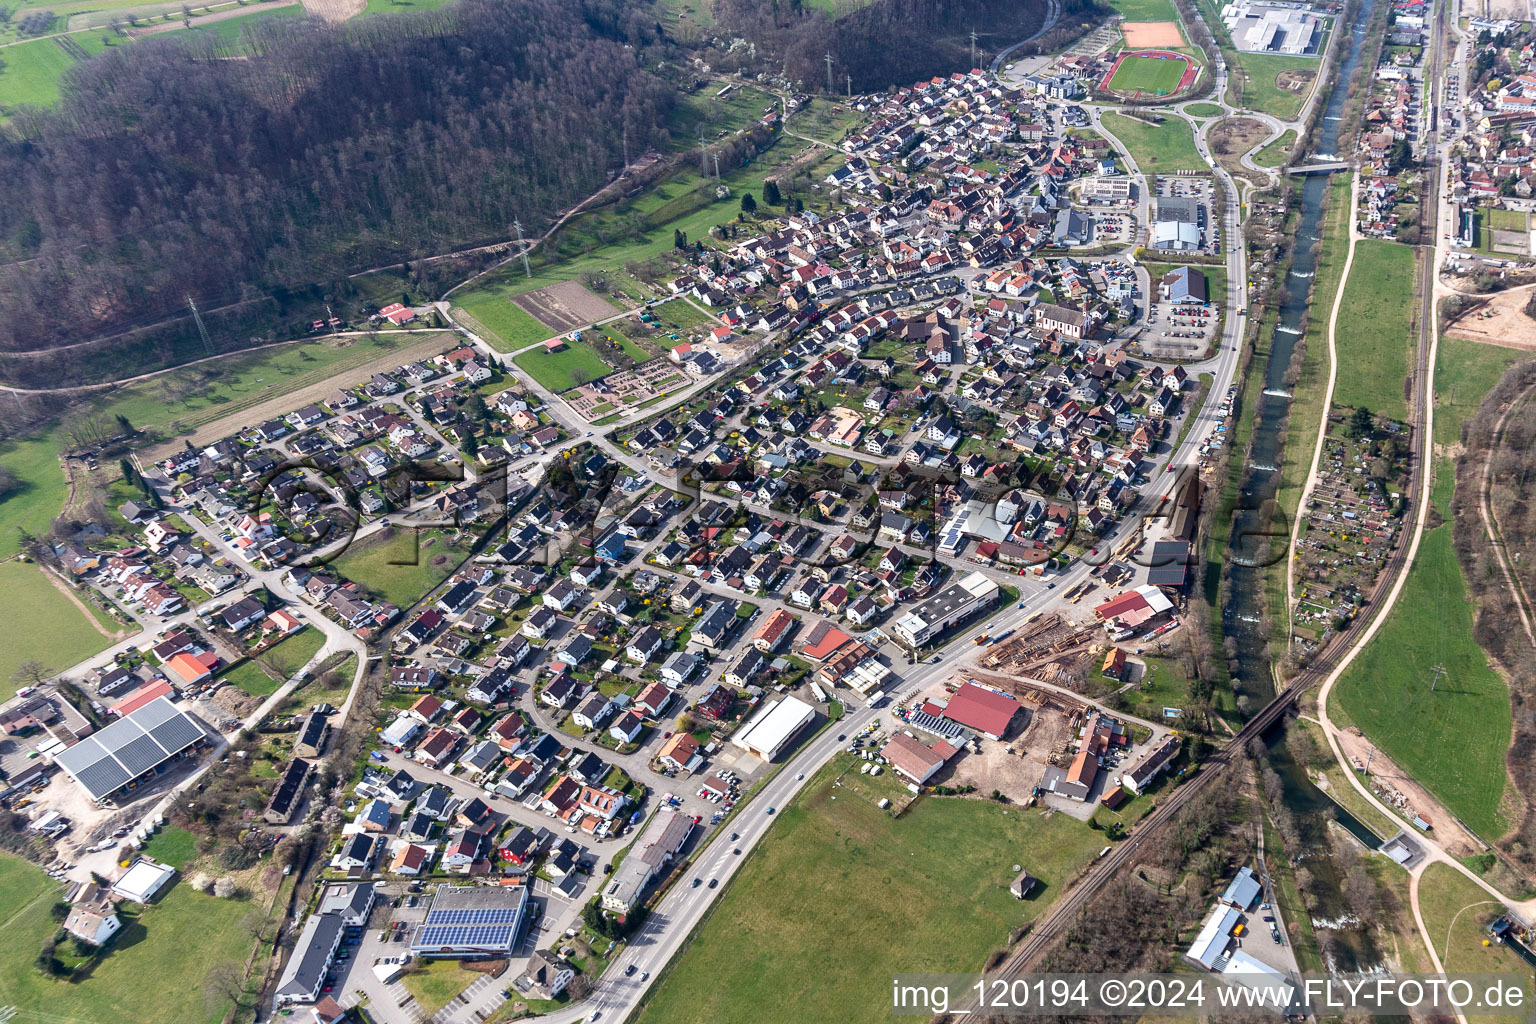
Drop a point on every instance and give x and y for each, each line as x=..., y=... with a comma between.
x=893, y=42
x=169, y=169
x=254, y=176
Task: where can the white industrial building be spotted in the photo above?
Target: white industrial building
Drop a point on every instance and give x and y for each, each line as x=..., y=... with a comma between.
x=771, y=729
x=953, y=604
x=1261, y=28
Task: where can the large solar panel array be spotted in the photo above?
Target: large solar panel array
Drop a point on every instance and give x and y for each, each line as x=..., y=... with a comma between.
x=461, y=935
x=471, y=915
x=124, y=750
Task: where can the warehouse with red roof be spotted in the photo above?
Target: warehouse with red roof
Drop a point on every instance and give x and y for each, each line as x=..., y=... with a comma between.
x=982, y=710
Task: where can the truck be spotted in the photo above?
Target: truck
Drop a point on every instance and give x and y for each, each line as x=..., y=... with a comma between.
x=875, y=699
x=821, y=694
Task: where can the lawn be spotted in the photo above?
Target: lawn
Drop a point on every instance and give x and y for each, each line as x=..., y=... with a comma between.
x=1453, y=738
x=682, y=314
x=1215, y=280
x=1203, y=110
x=40, y=493
x=1262, y=90
x=1455, y=911
x=1164, y=686
x=1277, y=152
x=1157, y=149
x=30, y=72
x=843, y=886
x=174, y=846
x=47, y=626
x=1465, y=371
x=392, y=565
x=436, y=982
x=503, y=323
x=575, y=363
x=156, y=968
x=251, y=678
x=1147, y=76
x=1146, y=10
x=1373, y=338
x=1507, y=220
x=1307, y=405
x=284, y=659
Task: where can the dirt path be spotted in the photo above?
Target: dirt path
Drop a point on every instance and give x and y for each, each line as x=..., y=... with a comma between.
x=74, y=599
x=209, y=19
x=310, y=394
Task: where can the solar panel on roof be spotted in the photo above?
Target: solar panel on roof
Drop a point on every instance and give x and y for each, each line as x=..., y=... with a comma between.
x=102, y=777
x=81, y=755
x=140, y=755
x=155, y=712
x=177, y=734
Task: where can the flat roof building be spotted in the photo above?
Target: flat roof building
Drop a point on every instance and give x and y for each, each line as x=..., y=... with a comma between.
x=953, y=604
x=467, y=921
x=771, y=729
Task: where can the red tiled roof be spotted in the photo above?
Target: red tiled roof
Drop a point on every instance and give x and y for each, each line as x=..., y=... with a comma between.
x=143, y=695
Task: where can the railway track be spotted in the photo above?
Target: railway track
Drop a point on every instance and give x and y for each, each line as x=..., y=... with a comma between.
x=1101, y=872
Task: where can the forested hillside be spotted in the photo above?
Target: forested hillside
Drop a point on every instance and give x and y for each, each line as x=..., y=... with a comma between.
x=178, y=168
x=886, y=43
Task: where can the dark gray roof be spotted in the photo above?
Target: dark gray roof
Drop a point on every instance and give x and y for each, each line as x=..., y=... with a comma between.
x=311, y=956
x=103, y=763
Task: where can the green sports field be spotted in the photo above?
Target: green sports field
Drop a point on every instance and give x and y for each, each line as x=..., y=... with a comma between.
x=1149, y=76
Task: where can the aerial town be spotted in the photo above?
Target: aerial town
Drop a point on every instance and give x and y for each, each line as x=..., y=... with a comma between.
x=1087, y=479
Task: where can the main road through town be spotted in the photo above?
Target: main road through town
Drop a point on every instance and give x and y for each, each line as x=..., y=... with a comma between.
x=675, y=916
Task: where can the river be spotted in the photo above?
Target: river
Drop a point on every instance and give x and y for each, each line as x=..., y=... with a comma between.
x=1242, y=614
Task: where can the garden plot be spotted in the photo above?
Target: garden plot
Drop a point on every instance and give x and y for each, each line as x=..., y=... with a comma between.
x=1352, y=520
x=564, y=306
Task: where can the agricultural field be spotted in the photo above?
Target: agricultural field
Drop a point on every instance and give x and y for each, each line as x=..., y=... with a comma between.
x=400, y=566
x=30, y=73
x=1451, y=735
x=230, y=30
x=1147, y=76
x=155, y=969
x=1374, y=340
x=565, y=306
x=885, y=887
x=47, y=626
x=1157, y=149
